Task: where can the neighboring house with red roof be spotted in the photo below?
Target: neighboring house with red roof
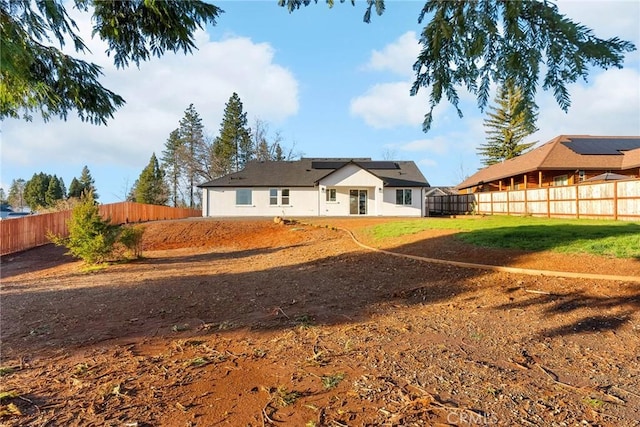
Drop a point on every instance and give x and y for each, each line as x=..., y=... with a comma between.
x=565, y=160
x=318, y=187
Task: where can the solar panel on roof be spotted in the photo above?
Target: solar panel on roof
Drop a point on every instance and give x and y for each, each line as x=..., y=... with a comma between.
x=327, y=165
x=371, y=165
x=379, y=165
x=602, y=146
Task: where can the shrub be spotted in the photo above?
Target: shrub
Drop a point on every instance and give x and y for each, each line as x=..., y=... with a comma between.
x=91, y=238
x=131, y=239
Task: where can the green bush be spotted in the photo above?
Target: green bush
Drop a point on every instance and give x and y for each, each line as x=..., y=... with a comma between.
x=91, y=238
x=131, y=239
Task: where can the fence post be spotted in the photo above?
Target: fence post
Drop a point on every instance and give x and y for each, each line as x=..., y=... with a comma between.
x=548, y=202
x=491, y=201
x=615, y=200
x=577, y=201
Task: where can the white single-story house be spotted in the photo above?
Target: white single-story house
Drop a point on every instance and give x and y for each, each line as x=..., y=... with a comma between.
x=318, y=187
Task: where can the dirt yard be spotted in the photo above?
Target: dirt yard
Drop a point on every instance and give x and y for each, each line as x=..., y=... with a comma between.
x=249, y=323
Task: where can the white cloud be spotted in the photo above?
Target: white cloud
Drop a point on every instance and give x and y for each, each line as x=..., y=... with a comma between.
x=427, y=162
x=397, y=57
x=435, y=145
x=157, y=94
x=609, y=105
x=607, y=18
x=388, y=105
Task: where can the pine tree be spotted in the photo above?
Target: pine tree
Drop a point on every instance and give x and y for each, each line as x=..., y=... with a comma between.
x=91, y=238
x=87, y=183
x=3, y=197
x=265, y=150
x=278, y=155
x=35, y=191
x=63, y=187
x=55, y=191
x=75, y=189
x=192, y=150
x=41, y=191
x=16, y=194
x=172, y=165
x=150, y=187
x=233, y=147
x=507, y=125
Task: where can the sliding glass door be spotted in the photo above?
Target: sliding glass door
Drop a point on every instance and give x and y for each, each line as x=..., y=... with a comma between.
x=358, y=202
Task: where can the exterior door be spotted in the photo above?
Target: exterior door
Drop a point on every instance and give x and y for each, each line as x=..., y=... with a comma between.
x=358, y=202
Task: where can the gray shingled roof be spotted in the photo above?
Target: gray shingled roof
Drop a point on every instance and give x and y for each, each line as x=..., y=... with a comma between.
x=306, y=172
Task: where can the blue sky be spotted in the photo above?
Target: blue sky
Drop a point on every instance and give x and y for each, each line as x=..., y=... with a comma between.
x=331, y=85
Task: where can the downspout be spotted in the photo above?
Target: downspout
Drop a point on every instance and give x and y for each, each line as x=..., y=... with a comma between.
x=205, y=202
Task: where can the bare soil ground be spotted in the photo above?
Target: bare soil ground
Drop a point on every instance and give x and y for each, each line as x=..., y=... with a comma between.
x=249, y=323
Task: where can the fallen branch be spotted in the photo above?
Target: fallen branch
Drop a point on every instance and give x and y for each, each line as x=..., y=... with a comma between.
x=609, y=397
x=533, y=291
x=554, y=378
x=265, y=416
x=627, y=391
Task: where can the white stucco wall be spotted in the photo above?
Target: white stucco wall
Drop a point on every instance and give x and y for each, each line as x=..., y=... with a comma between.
x=341, y=206
x=221, y=202
x=389, y=207
x=311, y=201
x=351, y=176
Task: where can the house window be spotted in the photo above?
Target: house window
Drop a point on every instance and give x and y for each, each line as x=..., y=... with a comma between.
x=243, y=196
x=561, y=180
x=331, y=194
x=278, y=197
x=403, y=196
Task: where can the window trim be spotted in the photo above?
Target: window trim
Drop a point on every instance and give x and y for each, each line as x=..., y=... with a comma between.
x=332, y=195
x=405, y=192
x=561, y=180
x=273, y=198
x=240, y=191
x=282, y=195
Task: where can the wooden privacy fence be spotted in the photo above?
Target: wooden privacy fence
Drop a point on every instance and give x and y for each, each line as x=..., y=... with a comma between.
x=617, y=200
x=30, y=231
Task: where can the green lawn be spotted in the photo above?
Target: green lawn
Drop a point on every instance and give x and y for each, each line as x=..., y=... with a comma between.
x=608, y=238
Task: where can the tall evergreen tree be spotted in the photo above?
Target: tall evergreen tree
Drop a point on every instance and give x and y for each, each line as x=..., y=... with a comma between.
x=233, y=147
x=171, y=163
x=507, y=125
x=75, y=189
x=266, y=149
x=260, y=142
x=3, y=197
x=192, y=149
x=16, y=194
x=55, y=191
x=62, y=187
x=150, y=187
x=87, y=183
x=278, y=154
x=35, y=191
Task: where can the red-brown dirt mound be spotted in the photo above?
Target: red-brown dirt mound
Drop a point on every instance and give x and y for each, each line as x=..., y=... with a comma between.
x=217, y=233
x=252, y=323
